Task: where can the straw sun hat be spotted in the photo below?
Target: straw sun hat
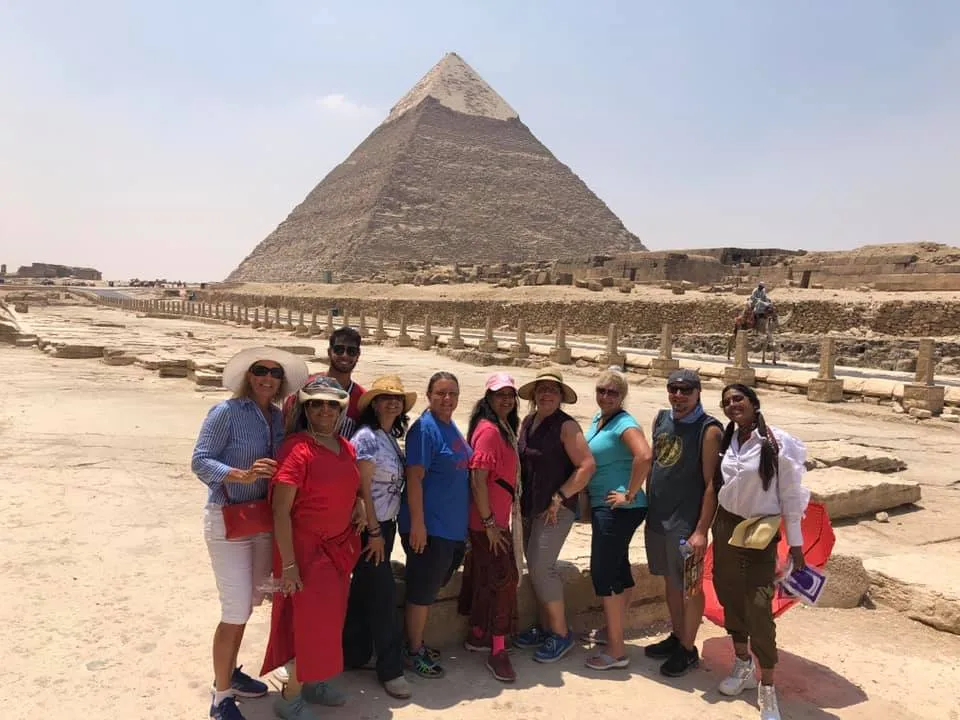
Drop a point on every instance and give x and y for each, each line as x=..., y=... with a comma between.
x=387, y=385
x=526, y=391
x=294, y=368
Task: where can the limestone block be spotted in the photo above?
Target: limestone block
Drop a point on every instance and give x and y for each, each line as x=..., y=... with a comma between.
x=852, y=493
x=78, y=352
x=847, y=582
x=206, y=378
x=173, y=371
x=925, y=586
x=824, y=390
x=561, y=356
x=853, y=457
x=662, y=367
x=744, y=376
x=920, y=413
x=924, y=397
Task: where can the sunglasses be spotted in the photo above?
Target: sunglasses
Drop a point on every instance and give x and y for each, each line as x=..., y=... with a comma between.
x=391, y=398
x=351, y=350
x=730, y=399
x=261, y=370
x=608, y=392
x=316, y=404
x=505, y=394
x=680, y=390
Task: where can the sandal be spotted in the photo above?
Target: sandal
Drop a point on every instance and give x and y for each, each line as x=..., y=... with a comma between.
x=602, y=661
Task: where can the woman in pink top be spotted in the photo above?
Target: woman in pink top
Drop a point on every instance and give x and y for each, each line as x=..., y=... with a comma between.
x=489, y=590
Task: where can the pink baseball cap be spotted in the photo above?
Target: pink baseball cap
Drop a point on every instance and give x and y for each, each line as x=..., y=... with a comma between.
x=500, y=380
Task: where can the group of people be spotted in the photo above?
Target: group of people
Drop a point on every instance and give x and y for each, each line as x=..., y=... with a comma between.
x=311, y=479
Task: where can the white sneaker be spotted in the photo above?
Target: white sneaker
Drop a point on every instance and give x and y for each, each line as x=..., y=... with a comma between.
x=742, y=677
x=398, y=688
x=282, y=674
x=767, y=697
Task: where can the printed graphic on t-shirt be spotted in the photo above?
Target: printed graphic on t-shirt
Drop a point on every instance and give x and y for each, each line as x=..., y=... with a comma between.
x=667, y=449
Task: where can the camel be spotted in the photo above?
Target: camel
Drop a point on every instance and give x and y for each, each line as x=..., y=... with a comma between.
x=767, y=324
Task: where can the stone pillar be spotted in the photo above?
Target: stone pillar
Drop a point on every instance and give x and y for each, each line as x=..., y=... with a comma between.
x=267, y=322
x=289, y=325
x=329, y=323
x=246, y=315
x=380, y=334
x=561, y=354
x=489, y=343
x=428, y=339
x=826, y=387
x=255, y=323
x=276, y=318
x=740, y=371
x=364, y=332
x=922, y=394
x=346, y=319
x=300, y=322
x=455, y=342
x=613, y=356
x=404, y=340
x=520, y=349
x=314, y=328
x=664, y=364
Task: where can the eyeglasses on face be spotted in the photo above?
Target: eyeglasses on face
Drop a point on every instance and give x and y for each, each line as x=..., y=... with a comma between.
x=679, y=390
x=730, y=399
x=351, y=350
x=608, y=392
x=261, y=370
x=318, y=404
x=505, y=394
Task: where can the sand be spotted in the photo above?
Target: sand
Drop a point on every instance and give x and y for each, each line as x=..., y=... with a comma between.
x=109, y=601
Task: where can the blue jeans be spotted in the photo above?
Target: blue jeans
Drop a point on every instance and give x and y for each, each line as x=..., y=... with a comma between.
x=610, y=548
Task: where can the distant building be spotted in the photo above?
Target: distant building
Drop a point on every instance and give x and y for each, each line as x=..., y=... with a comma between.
x=46, y=270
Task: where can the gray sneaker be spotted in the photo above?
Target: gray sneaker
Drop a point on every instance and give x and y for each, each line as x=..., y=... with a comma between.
x=293, y=709
x=323, y=693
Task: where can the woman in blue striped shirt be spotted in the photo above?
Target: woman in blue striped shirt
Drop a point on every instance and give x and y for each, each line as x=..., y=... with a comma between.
x=234, y=459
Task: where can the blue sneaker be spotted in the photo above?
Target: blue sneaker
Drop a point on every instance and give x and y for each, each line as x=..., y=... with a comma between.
x=226, y=710
x=554, y=648
x=531, y=638
x=245, y=686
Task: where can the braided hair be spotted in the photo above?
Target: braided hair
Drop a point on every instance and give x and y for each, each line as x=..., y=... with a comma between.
x=769, y=450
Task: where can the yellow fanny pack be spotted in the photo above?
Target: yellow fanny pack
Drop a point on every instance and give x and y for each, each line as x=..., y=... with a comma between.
x=755, y=533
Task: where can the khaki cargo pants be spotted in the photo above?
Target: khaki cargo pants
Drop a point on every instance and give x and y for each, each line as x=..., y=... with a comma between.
x=743, y=579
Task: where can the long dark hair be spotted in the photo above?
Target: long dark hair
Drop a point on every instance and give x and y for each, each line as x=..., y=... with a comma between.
x=368, y=418
x=483, y=410
x=769, y=451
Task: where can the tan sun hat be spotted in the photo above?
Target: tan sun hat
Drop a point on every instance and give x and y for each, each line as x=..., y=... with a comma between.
x=387, y=385
x=295, y=370
x=526, y=391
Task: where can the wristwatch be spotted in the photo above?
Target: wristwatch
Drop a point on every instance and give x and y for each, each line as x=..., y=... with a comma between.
x=563, y=498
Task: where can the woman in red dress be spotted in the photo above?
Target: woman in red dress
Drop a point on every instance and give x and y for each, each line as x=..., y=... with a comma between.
x=313, y=493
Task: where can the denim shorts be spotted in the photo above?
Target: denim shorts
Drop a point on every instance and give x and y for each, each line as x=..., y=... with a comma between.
x=613, y=530
x=430, y=570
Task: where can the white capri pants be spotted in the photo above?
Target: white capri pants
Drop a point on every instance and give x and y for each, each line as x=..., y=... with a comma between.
x=240, y=567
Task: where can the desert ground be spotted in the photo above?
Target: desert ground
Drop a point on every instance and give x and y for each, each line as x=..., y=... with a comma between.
x=111, y=603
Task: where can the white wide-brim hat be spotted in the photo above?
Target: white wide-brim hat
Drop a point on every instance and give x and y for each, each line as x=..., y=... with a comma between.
x=295, y=370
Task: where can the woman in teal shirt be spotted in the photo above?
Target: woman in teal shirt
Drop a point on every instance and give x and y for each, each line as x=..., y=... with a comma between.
x=618, y=507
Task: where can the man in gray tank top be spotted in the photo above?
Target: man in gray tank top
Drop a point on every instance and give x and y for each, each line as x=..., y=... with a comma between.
x=682, y=502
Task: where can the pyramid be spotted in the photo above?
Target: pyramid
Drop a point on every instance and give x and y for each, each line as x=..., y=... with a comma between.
x=450, y=176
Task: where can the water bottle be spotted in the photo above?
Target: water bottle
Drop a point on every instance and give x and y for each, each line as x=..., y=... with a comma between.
x=691, y=570
x=685, y=550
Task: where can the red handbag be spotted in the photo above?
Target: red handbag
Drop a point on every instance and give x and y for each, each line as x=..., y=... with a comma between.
x=243, y=520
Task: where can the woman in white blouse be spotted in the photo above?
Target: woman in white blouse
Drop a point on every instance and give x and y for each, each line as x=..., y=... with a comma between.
x=759, y=475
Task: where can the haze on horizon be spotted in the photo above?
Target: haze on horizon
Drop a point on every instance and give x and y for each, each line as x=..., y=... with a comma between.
x=167, y=140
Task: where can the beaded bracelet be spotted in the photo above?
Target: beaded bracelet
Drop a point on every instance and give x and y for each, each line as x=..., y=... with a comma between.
x=488, y=522
x=375, y=532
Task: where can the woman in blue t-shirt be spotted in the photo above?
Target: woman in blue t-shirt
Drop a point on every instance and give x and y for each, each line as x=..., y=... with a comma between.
x=618, y=507
x=433, y=513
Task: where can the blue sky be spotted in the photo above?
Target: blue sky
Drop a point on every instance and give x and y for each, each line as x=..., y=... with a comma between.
x=168, y=139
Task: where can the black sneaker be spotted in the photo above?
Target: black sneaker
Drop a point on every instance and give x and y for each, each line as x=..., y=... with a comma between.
x=681, y=662
x=663, y=649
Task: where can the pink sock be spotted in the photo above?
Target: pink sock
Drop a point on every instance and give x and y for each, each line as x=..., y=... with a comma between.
x=498, y=643
x=477, y=631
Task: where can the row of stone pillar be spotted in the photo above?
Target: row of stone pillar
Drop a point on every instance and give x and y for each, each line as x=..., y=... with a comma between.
x=826, y=387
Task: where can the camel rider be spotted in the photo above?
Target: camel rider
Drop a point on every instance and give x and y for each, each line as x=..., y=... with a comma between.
x=759, y=301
